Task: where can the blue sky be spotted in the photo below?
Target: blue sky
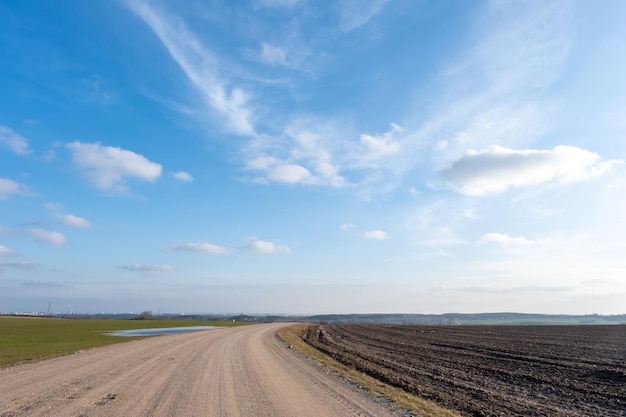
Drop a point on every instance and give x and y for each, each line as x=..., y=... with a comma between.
x=299, y=157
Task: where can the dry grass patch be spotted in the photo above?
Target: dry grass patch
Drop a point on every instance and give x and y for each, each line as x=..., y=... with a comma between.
x=292, y=335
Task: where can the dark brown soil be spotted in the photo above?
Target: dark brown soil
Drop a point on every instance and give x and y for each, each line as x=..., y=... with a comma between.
x=491, y=370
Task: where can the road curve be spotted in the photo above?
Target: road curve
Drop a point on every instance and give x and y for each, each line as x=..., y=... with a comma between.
x=236, y=372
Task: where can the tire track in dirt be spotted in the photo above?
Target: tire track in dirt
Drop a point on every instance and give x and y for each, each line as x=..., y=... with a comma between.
x=234, y=372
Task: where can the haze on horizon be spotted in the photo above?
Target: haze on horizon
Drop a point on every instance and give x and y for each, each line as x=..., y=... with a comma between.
x=301, y=157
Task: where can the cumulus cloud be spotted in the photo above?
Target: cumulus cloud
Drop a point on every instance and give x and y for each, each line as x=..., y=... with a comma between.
x=5, y=251
x=496, y=169
x=71, y=220
x=183, y=176
x=14, y=142
x=301, y=156
x=380, y=146
x=262, y=246
x=48, y=237
x=202, y=247
x=9, y=187
x=290, y=174
x=147, y=268
x=107, y=167
x=504, y=239
x=376, y=235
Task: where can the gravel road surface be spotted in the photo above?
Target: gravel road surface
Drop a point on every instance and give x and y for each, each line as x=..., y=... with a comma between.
x=240, y=371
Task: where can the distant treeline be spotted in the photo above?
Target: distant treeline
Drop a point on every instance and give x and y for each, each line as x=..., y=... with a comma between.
x=466, y=319
x=424, y=319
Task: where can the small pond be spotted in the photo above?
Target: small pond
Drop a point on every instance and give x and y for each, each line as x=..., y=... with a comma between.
x=165, y=330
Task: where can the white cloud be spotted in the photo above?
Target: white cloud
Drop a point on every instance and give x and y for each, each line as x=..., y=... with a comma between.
x=496, y=90
x=49, y=237
x=281, y=3
x=200, y=67
x=376, y=235
x=183, y=176
x=107, y=167
x=147, y=268
x=261, y=246
x=273, y=55
x=347, y=227
x=504, y=239
x=14, y=142
x=301, y=156
x=54, y=206
x=71, y=220
x=355, y=13
x=9, y=187
x=496, y=169
x=290, y=174
x=202, y=247
x=5, y=251
x=377, y=147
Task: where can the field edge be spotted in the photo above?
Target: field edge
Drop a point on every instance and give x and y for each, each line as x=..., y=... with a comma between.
x=292, y=335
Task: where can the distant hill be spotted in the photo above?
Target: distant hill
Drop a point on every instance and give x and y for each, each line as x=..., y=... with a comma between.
x=424, y=319
x=468, y=319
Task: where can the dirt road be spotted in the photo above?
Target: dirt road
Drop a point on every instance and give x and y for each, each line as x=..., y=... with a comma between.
x=240, y=371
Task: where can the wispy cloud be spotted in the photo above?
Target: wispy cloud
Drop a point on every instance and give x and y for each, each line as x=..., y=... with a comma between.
x=14, y=142
x=71, y=220
x=355, y=13
x=288, y=4
x=202, y=247
x=7, y=231
x=510, y=289
x=497, y=169
x=272, y=54
x=201, y=68
x=183, y=176
x=48, y=237
x=262, y=246
x=43, y=284
x=504, y=239
x=98, y=90
x=376, y=147
x=28, y=266
x=108, y=167
x=147, y=268
x=54, y=206
x=6, y=251
x=496, y=92
x=9, y=187
x=376, y=235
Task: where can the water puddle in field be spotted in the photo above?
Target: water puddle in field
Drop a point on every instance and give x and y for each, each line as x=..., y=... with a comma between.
x=164, y=330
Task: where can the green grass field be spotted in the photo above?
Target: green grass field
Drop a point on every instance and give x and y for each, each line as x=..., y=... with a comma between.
x=24, y=339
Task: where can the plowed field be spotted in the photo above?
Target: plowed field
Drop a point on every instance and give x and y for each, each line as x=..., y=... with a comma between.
x=491, y=370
